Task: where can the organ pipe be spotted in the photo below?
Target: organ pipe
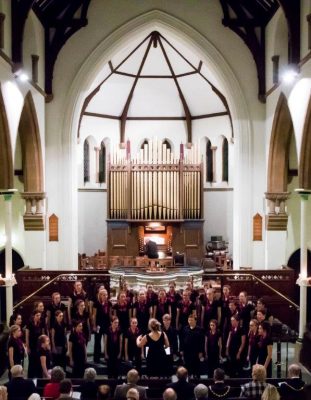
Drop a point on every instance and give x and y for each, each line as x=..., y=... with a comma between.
x=155, y=185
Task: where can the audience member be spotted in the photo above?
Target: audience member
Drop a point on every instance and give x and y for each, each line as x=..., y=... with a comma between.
x=103, y=392
x=89, y=387
x=201, y=392
x=18, y=387
x=51, y=389
x=169, y=394
x=34, y=396
x=290, y=390
x=183, y=389
x=132, y=379
x=65, y=389
x=270, y=393
x=254, y=389
x=219, y=389
x=132, y=394
x=3, y=393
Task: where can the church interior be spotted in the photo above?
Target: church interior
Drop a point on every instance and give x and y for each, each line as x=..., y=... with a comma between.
x=185, y=125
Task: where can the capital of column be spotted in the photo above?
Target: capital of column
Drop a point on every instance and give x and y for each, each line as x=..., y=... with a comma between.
x=7, y=193
x=277, y=200
x=34, y=215
x=304, y=193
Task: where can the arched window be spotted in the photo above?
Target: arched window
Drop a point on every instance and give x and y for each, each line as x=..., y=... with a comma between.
x=168, y=145
x=225, y=161
x=102, y=163
x=86, y=161
x=209, y=162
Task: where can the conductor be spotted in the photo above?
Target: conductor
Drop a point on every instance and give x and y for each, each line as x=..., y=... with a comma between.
x=151, y=249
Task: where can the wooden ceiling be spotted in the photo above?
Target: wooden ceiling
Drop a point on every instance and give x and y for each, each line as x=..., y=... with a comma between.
x=62, y=18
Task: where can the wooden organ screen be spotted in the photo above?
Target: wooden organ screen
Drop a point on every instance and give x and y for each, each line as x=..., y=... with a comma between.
x=155, y=185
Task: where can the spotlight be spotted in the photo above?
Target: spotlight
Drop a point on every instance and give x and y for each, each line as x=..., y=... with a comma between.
x=23, y=77
x=290, y=74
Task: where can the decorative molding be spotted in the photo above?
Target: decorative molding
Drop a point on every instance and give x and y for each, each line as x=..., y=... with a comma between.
x=91, y=190
x=218, y=189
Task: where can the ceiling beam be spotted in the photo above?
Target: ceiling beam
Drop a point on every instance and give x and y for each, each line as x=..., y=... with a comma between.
x=181, y=95
x=19, y=13
x=130, y=96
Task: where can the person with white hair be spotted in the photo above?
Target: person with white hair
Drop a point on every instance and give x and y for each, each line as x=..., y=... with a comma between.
x=34, y=396
x=201, y=392
x=3, y=393
x=19, y=387
x=89, y=387
x=255, y=388
x=291, y=389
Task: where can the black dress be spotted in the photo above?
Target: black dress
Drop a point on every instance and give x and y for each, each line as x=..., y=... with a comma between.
x=173, y=299
x=263, y=344
x=133, y=351
x=212, y=352
x=156, y=357
x=60, y=341
x=123, y=314
x=253, y=340
x=210, y=310
x=78, y=354
x=103, y=312
x=235, y=364
x=47, y=355
x=113, y=350
x=34, y=332
x=142, y=315
x=18, y=350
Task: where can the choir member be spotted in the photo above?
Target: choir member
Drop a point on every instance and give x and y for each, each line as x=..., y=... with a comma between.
x=39, y=307
x=192, y=346
x=265, y=346
x=77, y=349
x=253, y=339
x=78, y=293
x=55, y=305
x=142, y=311
x=261, y=316
x=151, y=298
x=113, y=340
x=210, y=310
x=235, y=349
x=129, y=293
x=184, y=309
x=102, y=314
x=171, y=334
x=131, y=351
x=33, y=331
x=16, y=319
x=213, y=347
x=122, y=310
x=16, y=349
x=193, y=293
x=174, y=298
x=245, y=309
x=80, y=313
x=58, y=334
x=44, y=357
x=262, y=306
x=162, y=306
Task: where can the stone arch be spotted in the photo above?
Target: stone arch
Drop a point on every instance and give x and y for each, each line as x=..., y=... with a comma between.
x=28, y=130
x=304, y=171
x=282, y=129
x=6, y=163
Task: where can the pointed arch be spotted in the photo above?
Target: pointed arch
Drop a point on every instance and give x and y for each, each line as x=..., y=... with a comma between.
x=167, y=143
x=305, y=153
x=28, y=129
x=282, y=129
x=6, y=163
x=145, y=141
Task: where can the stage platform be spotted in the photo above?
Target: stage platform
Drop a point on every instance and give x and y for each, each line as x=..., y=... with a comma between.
x=138, y=277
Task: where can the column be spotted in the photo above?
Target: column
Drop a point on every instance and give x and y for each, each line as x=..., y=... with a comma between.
x=304, y=195
x=8, y=250
x=276, y=230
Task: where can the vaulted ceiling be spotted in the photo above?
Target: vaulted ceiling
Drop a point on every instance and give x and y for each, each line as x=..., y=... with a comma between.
x=62, y=18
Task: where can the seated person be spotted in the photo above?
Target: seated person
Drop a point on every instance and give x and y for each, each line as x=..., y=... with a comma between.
x=290, y=390
x=219, y=389
x=151, y=249
x=255, y=388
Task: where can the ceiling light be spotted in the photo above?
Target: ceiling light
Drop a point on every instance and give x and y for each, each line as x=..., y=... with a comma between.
x=23, y=77
x=290, y=74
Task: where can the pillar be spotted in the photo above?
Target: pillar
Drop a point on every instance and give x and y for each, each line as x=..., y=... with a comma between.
x=304, y=195
x=8, y=250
